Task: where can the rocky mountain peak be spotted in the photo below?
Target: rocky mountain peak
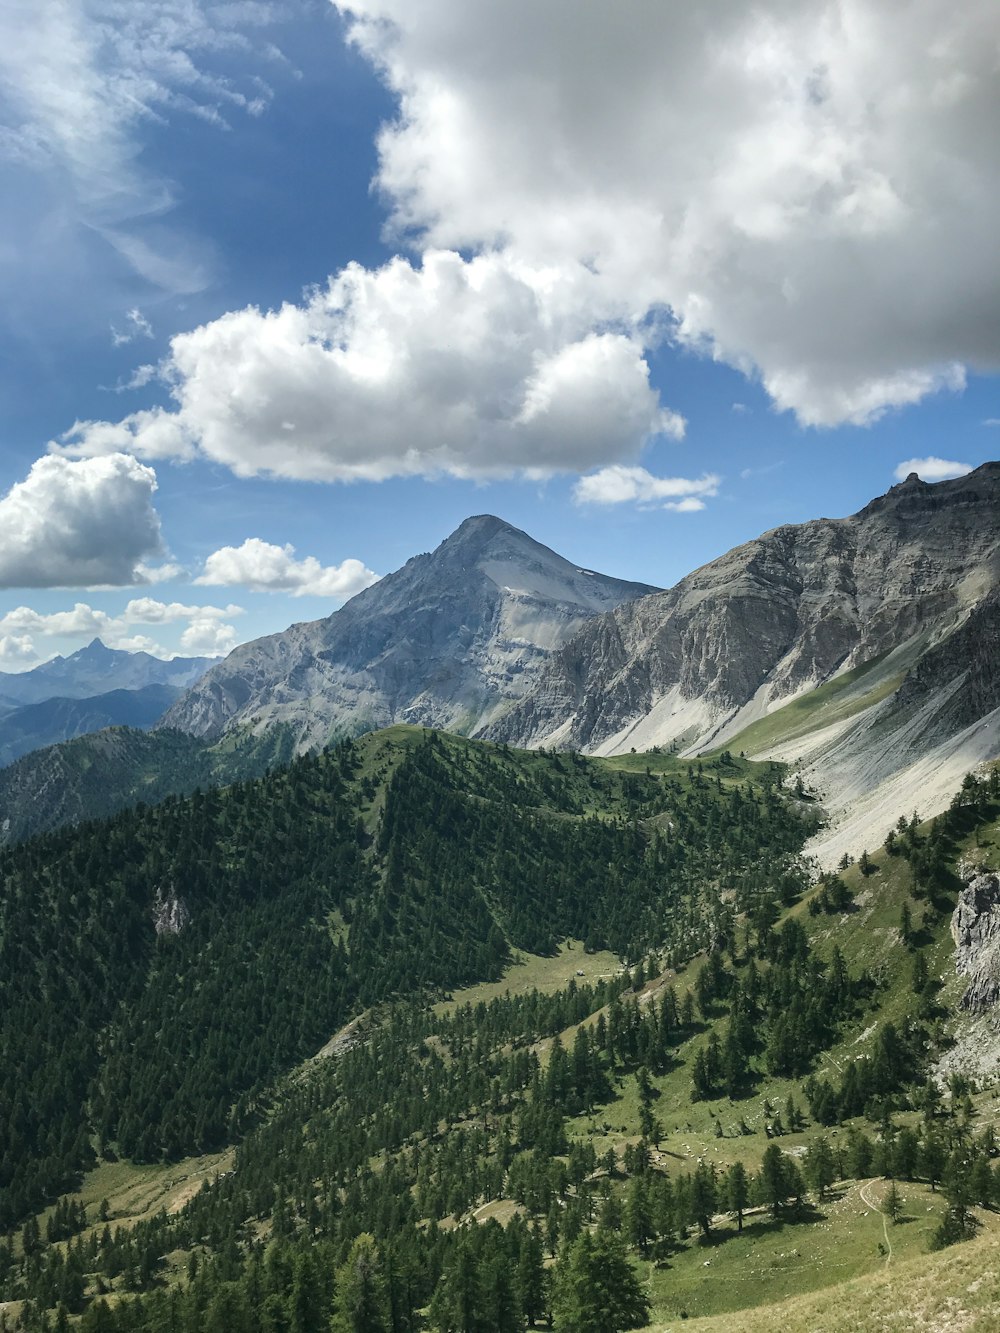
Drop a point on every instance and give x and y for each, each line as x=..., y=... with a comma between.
x=451, y=640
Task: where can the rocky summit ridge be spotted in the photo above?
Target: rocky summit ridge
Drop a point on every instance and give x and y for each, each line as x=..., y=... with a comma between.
x=451, y=640
x=862, y=649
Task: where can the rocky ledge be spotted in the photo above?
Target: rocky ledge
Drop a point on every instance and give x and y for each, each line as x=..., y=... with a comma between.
x=975, y=928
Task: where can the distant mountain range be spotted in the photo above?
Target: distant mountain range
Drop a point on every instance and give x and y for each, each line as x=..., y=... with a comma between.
x=861, y=650
x=98, y=669
x=32, y=726
x=93, y=688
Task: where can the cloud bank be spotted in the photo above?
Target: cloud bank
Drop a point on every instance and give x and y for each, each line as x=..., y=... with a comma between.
x=809, y=188
x=476, y=368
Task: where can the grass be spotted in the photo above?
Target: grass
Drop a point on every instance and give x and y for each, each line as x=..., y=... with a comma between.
x=135, y=1193
x=842, y=1238
x=954, y=1291
x=836, y=701
x=535, y=972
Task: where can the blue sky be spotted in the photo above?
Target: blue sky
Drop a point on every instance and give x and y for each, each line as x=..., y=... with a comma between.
x=307, y=277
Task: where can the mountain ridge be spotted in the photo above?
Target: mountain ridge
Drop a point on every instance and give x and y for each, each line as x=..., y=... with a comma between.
x=449, y=640
x=98, y=669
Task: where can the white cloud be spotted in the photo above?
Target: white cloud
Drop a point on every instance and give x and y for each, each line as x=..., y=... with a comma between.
x=931, y=469
x=83, y=622
x=138, y=326
x=265, y=567
x=164, y=573
x=476, y=368
x=634, y=485
x=992, y=421
x=148, y=611
x=78, y=524
x=17, y=651
x=809, y=188
x=208, y=638
x=207, y=631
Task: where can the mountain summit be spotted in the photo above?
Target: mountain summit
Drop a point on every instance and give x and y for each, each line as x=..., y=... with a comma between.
x=98, y=669
x=862, y=649
x=451, y=640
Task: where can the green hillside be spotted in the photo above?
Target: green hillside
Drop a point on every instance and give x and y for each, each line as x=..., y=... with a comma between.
x=740, y=1116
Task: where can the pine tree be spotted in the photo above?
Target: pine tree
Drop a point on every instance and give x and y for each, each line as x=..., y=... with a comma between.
x=361, y=1301
x=596, y=1289
x=736, y=1192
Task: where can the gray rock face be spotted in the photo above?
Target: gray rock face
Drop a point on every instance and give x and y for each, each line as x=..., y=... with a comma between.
x=451, y=640
x=975, y=928
x=170, y=912
x=776, y=616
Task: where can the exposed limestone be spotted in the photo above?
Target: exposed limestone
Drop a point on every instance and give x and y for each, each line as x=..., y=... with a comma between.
x=170, y=912
x=776, y=617
x=450, y=640
x=975, y=928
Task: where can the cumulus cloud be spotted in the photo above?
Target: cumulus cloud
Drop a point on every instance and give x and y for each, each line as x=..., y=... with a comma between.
x=207, y=631
x=474, y=368
x=78, y=524
x=634, y=485
x=208, y=637
x=264, y=567
x=809, y=190
x=17, y=651
x=931, y=469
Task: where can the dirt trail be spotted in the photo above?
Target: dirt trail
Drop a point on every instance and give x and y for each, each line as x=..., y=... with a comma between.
x=870, y=1203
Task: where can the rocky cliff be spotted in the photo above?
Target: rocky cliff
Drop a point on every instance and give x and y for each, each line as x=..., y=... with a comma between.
x=777, y=617
x=975, y=928
x=451, y=640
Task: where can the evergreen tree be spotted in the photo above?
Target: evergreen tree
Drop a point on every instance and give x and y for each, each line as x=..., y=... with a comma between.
x=361, y=1302
x=596, y=1289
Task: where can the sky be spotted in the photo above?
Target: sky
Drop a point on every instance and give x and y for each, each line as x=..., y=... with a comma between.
x=290, y=290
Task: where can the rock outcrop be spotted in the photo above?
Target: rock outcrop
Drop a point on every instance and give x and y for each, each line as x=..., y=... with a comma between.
x=170, y=912
x=451, y=640
x=768, y=620
x=975, y=928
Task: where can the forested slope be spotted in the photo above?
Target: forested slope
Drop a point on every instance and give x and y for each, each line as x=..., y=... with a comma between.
x=158, y=970
x=756, y=1123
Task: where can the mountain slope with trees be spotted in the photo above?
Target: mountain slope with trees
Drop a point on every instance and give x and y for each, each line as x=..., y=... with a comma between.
x=755, y=1122
x=160, y=969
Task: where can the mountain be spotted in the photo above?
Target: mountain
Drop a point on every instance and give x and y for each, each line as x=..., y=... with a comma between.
x=32, y=726
x=426, y=1033
x=105, y=771
x=97, y=669
x=862, y=649
x=451, y=640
